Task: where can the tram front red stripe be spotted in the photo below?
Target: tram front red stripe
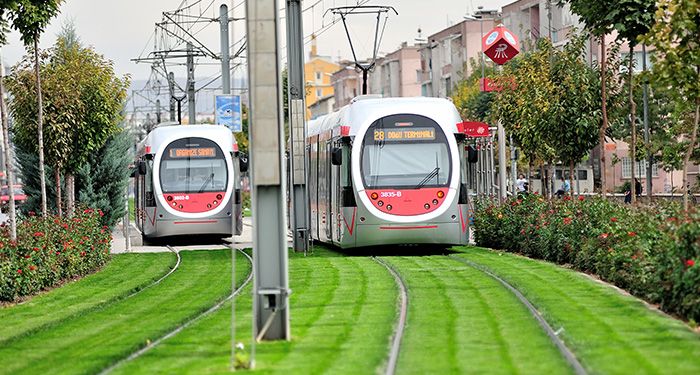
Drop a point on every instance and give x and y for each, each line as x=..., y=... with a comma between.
x=196, y=222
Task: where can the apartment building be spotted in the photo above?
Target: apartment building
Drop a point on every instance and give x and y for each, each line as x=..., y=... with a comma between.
x=317, y=72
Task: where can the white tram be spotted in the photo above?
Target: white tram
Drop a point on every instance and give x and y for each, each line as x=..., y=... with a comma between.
x=187, y=182
x=388, y=171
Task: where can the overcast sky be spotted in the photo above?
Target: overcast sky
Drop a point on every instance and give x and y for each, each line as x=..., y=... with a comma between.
x=121, y=29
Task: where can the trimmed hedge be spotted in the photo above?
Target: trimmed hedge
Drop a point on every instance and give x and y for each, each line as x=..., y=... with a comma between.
x=49, y=251
x=650, y=251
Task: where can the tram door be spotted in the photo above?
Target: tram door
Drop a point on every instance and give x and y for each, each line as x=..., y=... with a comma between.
x=335, y=197
x=328, y=187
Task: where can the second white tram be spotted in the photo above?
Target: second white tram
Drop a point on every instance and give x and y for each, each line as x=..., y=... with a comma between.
x=187, y=182
x=388, y=171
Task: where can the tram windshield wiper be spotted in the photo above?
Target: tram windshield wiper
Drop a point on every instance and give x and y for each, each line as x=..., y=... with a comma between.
x=428, y=177
x=206, y=182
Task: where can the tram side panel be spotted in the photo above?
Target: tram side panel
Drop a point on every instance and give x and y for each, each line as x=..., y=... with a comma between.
x=313, y=185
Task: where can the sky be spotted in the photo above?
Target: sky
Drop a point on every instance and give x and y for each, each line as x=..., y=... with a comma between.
x=122, y=30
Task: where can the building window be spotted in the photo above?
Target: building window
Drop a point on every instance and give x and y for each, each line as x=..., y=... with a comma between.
x=319, y=93
x=448, y=86
x=318, y=76
x=641, y=168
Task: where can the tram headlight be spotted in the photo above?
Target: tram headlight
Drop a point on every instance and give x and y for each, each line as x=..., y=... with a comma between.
x=380, y=203
x=374, y=196
x=427, y=206
x=435, y=202
x=440, y=194
x=388, y=207
x=169, y=198
x=216, y=202
x=219, y=196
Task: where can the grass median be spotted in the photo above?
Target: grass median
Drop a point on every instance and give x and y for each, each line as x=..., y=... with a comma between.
x=94, y=340
x=342, y=313
x=123, y=275
x=608, y=331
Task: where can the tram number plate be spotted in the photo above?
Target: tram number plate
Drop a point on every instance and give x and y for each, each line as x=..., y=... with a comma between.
x=390, y=194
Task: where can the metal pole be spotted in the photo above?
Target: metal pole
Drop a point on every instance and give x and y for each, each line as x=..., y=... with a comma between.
x=157, y=111
x=271, y=287
x=171, y=89
x=127, y=235
x=190, y=85
x=647, y=138
x=502, y=183
x=225, y=58
x=297, y=127
x=513, y=166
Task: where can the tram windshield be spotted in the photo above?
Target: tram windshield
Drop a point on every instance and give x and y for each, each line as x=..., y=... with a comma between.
x=405, y=151
x=193, y=165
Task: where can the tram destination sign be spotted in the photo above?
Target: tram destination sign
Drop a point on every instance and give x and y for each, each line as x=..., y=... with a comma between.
x=194, y=152
x=413, y=134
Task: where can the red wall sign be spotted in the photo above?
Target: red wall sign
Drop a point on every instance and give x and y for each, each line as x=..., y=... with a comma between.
x=500, y=45
x=473, y=129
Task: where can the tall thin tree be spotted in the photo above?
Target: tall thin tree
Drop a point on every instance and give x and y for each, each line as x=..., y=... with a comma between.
x=30, y=18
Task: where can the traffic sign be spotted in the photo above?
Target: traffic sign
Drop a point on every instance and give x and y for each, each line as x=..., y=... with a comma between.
x=228, y=112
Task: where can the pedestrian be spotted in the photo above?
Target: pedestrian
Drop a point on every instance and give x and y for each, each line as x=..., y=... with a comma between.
x=564, y=188
x=521, y=184
x=637, y=190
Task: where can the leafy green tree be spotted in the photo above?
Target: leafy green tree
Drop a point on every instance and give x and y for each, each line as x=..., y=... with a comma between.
x=83, y=102
x=30, y=18
x=596, y=16
x=6, y=6
x=676, y=70
x=632, y=19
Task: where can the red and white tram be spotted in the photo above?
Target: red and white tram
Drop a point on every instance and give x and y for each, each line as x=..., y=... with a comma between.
x=388, y=171
x=187, y=182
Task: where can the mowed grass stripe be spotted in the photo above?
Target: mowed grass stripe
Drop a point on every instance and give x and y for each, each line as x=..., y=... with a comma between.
x=609, y=332
x=462, y=321
x=95, y=340
x=342, y=311
x=123, y=275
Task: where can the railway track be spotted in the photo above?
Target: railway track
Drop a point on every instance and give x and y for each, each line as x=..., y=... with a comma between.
x=186, y=324
x=401, y=323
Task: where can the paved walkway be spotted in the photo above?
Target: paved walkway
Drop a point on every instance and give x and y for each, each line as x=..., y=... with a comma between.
x=245, y=240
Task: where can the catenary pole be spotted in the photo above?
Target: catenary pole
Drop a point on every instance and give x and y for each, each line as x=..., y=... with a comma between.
x=650, y=158
x=225, y=59
x=190, y=85
x=270, y=262
x=297, y=127
x=171, y=91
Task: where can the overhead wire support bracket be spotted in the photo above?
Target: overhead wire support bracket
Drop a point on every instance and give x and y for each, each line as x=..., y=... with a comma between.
x=379, y=10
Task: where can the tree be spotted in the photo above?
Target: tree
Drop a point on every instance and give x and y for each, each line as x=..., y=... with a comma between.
x=30, y=18
x=632, y=19
x=83, y=102
x=676, y=69
x=595, y=14
x=6, y=6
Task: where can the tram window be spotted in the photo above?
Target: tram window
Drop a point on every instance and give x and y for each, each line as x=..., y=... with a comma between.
x=193, y=165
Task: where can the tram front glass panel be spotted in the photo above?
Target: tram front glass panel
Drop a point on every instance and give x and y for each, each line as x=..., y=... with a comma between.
x=405, y=152
x=193, y=165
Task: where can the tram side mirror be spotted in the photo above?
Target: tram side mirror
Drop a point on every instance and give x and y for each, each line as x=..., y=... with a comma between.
x=337, y=156
x=243, y=163
x=472, y=155
x=142, y=167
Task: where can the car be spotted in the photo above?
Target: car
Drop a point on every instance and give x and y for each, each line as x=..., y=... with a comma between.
x=20, y=197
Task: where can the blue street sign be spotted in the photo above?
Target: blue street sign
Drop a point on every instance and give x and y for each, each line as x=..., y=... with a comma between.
x=228, y=112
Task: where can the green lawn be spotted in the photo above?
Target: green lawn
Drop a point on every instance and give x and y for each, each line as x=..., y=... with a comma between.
x=609, y=332
x=342, y=313
x=122, y=276
x=462, y=321
x=96, y=339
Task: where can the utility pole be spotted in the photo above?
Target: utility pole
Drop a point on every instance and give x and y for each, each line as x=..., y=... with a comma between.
x=225, y=59
x=157, y=111
x=190, y=84
x=171, y=90
x=297, y=127
x=268, y=175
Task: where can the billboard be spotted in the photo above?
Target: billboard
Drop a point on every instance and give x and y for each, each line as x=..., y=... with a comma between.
x=228, y=112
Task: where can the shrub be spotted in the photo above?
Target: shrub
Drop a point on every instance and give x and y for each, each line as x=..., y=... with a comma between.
x=51, y=250
x=649, y=251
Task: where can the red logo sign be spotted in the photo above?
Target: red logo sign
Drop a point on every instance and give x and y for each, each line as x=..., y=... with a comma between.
x=500, y=45
x=473, y=129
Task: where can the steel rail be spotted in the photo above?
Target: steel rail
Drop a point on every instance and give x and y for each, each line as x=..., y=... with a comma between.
x=401, y=324
x=181, y=327
x=553, y=336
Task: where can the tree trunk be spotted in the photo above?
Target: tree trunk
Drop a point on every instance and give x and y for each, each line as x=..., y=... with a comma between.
x=552, y=180
x=59, y=203
x=530, y=167
x=543, y=180
x=8, y=159
x=70, y=194
x=603, y=94
x=688, y=152
x=40, y=127
x=633, y=125
x=571, y=178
